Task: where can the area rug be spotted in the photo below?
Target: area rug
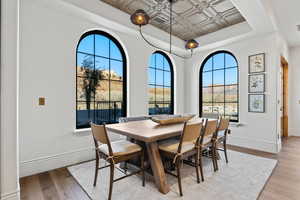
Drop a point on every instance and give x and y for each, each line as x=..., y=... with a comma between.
x=243, y=178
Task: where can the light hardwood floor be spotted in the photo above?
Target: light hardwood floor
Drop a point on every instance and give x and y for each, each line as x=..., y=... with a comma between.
x=284, y=184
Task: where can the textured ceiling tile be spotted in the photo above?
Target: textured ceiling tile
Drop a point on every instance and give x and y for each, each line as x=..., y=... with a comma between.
x=198, y=18
x=191, y=18
x=182, y=7
x=223, y=6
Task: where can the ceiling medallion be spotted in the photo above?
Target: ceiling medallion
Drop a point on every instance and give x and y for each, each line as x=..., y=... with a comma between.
x=141, y=18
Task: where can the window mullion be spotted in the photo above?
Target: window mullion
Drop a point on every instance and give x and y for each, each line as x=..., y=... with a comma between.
x=109, y=81
x=96, y=106
x=93, y=79
x=224, y=85
x=163, y=83
x=215, y=90
x=212, y=89
x=155, y=83
x=160, y=94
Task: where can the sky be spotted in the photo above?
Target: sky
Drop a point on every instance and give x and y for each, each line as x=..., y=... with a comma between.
x=219, y=67
x=214, y=70
x=104, y=49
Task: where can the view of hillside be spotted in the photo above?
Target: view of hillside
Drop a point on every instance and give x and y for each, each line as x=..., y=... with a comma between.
x=162, y=94
x=215, y=103
x=116, y=88
x=102, y=88
x=230, y=92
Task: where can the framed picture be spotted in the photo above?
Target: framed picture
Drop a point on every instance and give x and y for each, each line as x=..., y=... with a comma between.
x=256, y=103
x=257, y=63
x=256, y=83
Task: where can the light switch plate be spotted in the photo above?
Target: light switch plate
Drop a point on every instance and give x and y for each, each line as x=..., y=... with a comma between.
x=42, y=101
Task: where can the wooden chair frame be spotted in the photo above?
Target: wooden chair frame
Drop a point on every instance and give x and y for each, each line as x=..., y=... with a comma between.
x=113, y=160
x=221, y=140
x=205, y=147
x=178, y=158
x=210, y=145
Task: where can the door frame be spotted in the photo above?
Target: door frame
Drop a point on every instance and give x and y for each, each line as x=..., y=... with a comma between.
x=284, y=97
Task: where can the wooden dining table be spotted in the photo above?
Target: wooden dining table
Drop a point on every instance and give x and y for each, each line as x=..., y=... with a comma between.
x=150, y=132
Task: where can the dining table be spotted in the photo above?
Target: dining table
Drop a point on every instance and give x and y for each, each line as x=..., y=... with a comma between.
x=151, y=133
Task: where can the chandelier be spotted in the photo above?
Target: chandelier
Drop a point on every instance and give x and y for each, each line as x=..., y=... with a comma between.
x=141, y=18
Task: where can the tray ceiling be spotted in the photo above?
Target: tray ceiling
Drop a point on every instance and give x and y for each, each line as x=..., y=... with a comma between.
x=191, y=18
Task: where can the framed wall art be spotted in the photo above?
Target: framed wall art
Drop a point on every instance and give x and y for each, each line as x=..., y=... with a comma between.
x=256, y=83
x=257, y=63
x=256, y=103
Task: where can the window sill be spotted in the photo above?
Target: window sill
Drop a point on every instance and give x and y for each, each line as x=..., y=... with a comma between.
x=83, y=130
x=236, y=124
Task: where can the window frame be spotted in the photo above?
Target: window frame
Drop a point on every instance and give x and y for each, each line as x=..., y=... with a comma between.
x=124, y=68
x=224, y=82
x=163, y=86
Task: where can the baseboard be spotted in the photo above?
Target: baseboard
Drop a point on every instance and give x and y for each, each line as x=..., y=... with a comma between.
x=15, y=195
x=260, y=145
x=48, y=163
x=294, y=132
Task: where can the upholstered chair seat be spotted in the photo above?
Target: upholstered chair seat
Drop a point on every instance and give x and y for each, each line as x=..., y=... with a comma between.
x=171, y=146
x=121, y=148
x=206, y=142
x=114, y=153
x=180, y=149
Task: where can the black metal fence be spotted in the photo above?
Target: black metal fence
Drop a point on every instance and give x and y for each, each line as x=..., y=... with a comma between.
x=110, y=111
x=160, y=107
x=102, y=112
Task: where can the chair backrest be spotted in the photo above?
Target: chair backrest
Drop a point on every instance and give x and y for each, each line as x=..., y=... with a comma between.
x=191, y=133
x=131, y=119
x=222, y=127
x=100, y=136
x=209, y=129
x=210, y=115
x=164, y=116
x=223, y=124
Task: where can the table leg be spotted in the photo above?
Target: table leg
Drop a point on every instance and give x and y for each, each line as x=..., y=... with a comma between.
x=157, y=167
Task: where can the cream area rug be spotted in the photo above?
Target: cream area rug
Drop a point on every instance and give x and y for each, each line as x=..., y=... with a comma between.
x=243, y=178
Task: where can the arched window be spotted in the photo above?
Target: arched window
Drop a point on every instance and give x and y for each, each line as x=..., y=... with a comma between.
x=219, y=84
x=160, y=84
x=100, y=79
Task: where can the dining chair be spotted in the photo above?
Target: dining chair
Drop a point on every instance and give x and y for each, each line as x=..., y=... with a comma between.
x=187, y=146
x=210, y=115
x=131, y=119
x=124, y=165
x=206, y=143
x=221, y=137
x=114, y=153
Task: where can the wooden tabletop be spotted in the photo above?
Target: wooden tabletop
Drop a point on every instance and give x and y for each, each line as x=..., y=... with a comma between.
x=147, y=130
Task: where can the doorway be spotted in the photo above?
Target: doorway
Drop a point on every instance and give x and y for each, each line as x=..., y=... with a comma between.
x=284, y=96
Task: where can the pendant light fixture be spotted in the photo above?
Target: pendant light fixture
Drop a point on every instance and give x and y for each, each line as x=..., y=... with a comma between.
x=141, y=18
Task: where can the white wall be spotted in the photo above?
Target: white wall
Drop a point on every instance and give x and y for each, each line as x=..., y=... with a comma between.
x=9, y=146
x=258, y=131
x=49, y=35
x=294, y=91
